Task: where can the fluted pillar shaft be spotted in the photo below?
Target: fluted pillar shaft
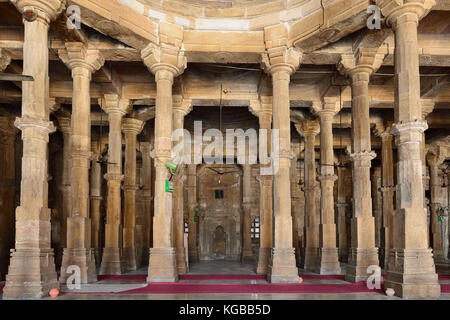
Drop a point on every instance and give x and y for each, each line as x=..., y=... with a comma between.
x=96, y=199
x=131, y=128
x=387, y=189
x=411, y=271
x=78, y=251
x=265, y=201
x=31, y=272
x=363, y=252
x=146, y=198
x=328, y=253
x=162, y=265
x=435, y=188
x=283, y=265
x=111, y=260
x=309, y=130
x=178, y=202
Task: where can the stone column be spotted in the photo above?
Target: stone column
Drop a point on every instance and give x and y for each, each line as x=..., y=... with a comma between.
x=8, y=134
x=280, y=62
x=96, y=199
x=308, y=130
x=363, y=252
x=342, y=205
x=83, y=62
x=192, y=203
x=131, y=128
x=328, y=252
x=146, y=197
x=427, y=108
x=411, y=269
x=435, y=162
x=376, y=205
x=181, y=107
x=64, y=126
x=31, y=271
x=263, y=110
x=295, y=200
x=116, y=108
x=165, y=62
x=247, y=253
x=387, y=189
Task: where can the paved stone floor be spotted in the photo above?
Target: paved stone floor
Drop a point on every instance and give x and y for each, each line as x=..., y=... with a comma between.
x=213, y=267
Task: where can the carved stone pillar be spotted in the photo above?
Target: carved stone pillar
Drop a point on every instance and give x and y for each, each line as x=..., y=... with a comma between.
x=342, y=205
x=363, y=252
x=387, y=189
x=64, y=126
x=165, y=62
x=192, y=203
x=96, y=199
x=308, y=130
x=328, y=252
x=435, y=160
x=411, y=269
x=427, y=108
x=295, y=200
x=116, y=108
x=247, y=253
x=181, y=107
x=131, y=128
x=280, y=62
x=31, y=271
x=263, y=110
x=83, y=63
x=376, y=205
x=146, y=197
x=8, y=134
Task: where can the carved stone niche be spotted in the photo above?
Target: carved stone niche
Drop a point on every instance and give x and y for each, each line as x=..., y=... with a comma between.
x=220, y=218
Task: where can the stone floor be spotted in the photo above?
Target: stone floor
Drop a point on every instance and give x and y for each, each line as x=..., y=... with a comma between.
x=213, y=267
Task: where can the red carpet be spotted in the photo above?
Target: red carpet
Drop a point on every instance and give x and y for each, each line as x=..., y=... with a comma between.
x=270, y=288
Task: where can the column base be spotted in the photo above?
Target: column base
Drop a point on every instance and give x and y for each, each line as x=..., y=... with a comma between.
x=181, y=261
x=311, y=259
x=412, y=274
x=263, y=261
x=359, y=260
x=129, y=258
x=111, y=262
x=31, y=274
x=247, y=255
x=329, y=261
x=162, y=265
x=282, y=266
x=83, y=258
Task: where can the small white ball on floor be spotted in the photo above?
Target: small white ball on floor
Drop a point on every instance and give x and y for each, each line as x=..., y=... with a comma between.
x=390, y=292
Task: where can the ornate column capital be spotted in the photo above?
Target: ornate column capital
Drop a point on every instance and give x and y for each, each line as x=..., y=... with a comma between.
x=383, y=130
x=181, y=105
x=168, y=54
x=261, y=107
x=112, y=103
x=77, y=55
x=27, y=122
x=329, y=106
x=278, y=55
x=363, y=61
x=308, y=128
x=394, y=9
x=404, y=131
x=364, y=156
x=5, y=59
x=47, y=10
x=132, y=126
